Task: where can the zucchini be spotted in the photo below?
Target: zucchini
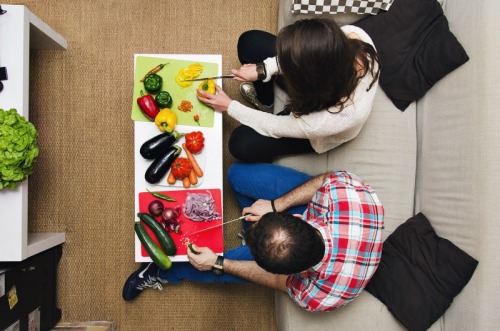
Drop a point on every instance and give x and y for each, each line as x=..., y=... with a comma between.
x=155, y=252
x=162, y=235
x=160, y=166
x=192, y=249
x=157, y=145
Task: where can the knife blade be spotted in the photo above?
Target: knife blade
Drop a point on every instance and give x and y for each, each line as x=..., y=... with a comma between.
x=216, y=226
x=213, y=77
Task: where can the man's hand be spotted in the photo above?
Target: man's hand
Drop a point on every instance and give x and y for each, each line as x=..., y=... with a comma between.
x=204, y=261
x=219, y=101
x=257, y=209
x=300, y=195
x=248, y=270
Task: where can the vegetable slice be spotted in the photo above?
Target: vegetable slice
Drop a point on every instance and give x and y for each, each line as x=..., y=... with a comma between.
x=192, y=71
x=190, y=246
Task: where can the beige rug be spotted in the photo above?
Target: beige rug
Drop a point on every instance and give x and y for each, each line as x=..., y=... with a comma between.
x=83, y=183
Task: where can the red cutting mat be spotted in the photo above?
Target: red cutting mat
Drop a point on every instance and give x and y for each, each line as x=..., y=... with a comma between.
x=213, y=238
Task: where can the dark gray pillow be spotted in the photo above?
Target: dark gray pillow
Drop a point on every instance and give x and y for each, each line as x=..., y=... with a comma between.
x=415, y=46
x=420, y=273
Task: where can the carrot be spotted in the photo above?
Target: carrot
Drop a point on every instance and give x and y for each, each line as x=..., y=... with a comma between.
x=153, y=71
x=196, y=167
x=193, y=179
x=185, y=182
x=171, y=178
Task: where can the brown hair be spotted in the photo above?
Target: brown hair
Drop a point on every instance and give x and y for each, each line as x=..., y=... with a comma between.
x=317, y=62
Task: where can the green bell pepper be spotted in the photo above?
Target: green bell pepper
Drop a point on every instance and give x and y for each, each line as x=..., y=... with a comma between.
x=163, y=99
x=153, y=83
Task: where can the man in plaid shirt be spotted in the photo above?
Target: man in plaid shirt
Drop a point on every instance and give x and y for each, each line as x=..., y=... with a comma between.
x=348, y=217
x=318, y=238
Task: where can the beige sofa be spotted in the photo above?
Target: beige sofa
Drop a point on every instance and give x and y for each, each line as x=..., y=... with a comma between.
x=441, y=156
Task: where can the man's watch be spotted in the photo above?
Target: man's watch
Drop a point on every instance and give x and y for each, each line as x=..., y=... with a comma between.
x=261, y=71
x=218, y=267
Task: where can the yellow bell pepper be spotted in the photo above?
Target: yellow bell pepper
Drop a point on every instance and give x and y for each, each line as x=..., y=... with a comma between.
x=208, y=85
x=166, y=120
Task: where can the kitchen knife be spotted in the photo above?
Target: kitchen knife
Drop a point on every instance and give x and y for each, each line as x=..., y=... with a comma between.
x=213, y=77
x=221, y=224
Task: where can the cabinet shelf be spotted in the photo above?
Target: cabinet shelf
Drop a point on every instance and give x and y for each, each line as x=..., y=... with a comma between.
x=20, y=31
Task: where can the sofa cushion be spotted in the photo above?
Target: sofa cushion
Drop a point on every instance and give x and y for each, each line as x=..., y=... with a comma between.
x=416, y=48
x=420, y=273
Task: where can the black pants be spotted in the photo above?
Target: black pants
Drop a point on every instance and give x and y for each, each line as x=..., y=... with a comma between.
x=245, y=144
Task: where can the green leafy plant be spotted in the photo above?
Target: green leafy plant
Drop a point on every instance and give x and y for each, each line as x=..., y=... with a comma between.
x=18, y=148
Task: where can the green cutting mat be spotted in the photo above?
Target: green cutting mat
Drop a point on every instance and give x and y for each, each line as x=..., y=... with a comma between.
x=144, y=63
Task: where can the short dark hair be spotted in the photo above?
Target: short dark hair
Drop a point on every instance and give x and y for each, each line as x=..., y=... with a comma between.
x=284, y=244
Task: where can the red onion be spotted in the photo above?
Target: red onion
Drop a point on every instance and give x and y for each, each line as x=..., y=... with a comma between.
x=155, y=208
x=169, y=219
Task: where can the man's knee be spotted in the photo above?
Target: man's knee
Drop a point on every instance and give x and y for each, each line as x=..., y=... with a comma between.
x=233, y=173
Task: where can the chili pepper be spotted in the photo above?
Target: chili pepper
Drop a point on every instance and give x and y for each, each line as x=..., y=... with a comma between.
x=208, y=85
x=153, y=83
x=196, y=118
x=153, y=71
x=148, y=105
x=161, y=196
x=163, y=99
x=166, y=120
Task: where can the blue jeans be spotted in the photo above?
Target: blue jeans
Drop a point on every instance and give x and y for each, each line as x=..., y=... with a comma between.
x=249, y=182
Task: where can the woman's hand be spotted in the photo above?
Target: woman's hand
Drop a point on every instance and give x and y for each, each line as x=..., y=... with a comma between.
x=204, y=260
x=219, y=101
x=246, y=73
x=257, y=209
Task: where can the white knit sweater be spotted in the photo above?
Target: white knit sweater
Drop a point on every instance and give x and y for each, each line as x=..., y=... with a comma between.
x=325, y=129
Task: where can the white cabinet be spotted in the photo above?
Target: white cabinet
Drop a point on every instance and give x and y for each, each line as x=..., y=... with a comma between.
x=20, y=31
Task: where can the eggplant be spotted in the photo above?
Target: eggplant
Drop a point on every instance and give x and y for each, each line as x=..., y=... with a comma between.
x=159, y=167
x=157, y=145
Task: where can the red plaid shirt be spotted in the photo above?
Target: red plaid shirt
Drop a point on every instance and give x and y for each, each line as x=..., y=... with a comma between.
x=350, y=217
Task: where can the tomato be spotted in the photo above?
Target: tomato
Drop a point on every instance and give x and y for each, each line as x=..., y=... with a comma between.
x=195, y=141
x=181, y=167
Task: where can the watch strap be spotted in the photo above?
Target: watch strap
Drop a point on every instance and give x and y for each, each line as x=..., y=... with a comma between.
x=261, y=71
x=218, y=267
x=273, y=206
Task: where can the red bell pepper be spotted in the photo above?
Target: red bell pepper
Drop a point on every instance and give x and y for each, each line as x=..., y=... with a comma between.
x=148, y=105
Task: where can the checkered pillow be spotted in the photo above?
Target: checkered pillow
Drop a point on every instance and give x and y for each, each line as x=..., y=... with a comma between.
x=340, y=6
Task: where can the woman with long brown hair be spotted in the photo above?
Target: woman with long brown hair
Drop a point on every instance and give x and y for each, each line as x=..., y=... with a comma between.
x=330, y=74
